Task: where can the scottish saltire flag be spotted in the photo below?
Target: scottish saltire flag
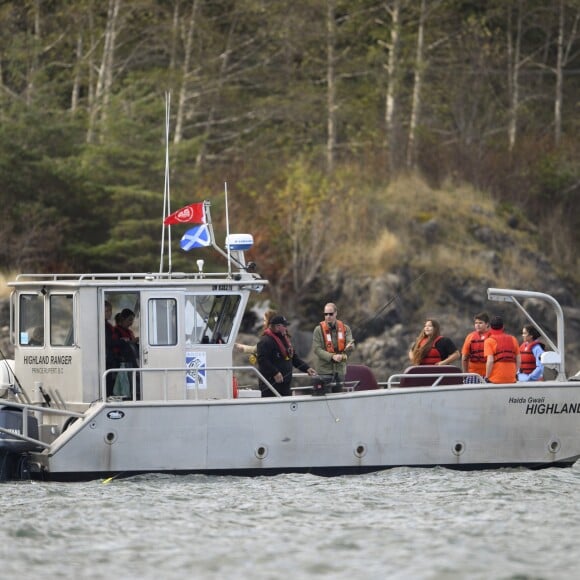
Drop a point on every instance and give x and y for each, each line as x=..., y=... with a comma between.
x=197, y=237
x=190, y=214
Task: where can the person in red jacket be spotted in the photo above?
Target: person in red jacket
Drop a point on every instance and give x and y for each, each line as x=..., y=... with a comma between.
x=502, y=353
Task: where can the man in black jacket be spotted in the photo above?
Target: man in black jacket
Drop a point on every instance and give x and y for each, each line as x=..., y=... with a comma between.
x=276, y=357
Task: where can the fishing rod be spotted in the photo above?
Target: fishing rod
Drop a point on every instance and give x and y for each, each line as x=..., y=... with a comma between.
x=397, y=295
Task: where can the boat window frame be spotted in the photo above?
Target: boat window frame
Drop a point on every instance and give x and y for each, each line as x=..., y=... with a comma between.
x=24, y=335
x=69, y=325
x=153, y=321
x=213, y=334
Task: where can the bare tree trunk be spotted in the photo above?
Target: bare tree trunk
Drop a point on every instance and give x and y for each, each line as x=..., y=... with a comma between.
x=559, y=76
x=391, y=113
x=513, y=74
x=109, y=55
x=91, y=80
x=74, y=101
x=331, y=87
x=185, y=75
x=225, y=60
x=34, y=58
x=105, y=76
x=174, y=36
x=417, y=87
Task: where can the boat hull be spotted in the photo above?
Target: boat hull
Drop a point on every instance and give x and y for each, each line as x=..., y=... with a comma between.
x=466, y=427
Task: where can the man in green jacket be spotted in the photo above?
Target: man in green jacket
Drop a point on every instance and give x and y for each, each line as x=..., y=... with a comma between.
x=332, y=342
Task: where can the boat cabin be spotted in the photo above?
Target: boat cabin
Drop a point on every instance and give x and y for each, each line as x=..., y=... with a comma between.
x=183, y=324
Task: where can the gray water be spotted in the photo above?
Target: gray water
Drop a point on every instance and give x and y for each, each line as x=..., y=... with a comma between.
x=401, y=523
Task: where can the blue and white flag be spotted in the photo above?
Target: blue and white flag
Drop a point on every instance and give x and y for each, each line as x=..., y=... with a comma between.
x=197, y=237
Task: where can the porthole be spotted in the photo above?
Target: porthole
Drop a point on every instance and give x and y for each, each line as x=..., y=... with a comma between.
x=458, y=447
x=554, y=446
x=360, y=450
x=261, y=451
x=110, y=437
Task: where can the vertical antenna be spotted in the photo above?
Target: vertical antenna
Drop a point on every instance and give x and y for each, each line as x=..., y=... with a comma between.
x=228, y=230
x=166, y=200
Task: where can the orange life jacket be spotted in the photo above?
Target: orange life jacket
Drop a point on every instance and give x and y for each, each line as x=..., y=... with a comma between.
x=476, y=346
x=340, y=336
x=505, y=348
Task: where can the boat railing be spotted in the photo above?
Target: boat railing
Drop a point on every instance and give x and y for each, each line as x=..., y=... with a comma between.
x=444, y=379
x=167, y=372
x=129, y=276
x=28, y=409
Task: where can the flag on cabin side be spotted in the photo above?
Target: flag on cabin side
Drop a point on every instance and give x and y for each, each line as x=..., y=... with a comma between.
x=190, y=214
x=197, y=237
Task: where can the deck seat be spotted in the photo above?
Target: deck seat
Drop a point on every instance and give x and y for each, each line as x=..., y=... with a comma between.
x=410, y=381
x=363, y=375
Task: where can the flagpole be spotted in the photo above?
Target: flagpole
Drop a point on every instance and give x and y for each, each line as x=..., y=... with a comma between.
x=228, y=230
x=166, y=201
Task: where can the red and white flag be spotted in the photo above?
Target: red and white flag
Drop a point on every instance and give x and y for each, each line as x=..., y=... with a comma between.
x=190, y=214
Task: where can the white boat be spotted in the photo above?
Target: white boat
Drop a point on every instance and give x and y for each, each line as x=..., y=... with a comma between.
x=188, y=414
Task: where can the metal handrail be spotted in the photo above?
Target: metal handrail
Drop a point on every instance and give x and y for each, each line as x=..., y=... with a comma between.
x=395, y=379
x=165, y=371
x=28, y=408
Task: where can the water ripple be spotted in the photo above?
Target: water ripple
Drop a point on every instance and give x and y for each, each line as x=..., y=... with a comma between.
x=402, y=523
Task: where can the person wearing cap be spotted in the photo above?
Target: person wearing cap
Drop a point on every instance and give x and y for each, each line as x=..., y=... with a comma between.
x=502, y=353
x=277, y=357
x=332, y=343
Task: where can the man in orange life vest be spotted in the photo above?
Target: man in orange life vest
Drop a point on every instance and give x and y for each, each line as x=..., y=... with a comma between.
x=472, y=359
x=502, y=353
x=332, y=343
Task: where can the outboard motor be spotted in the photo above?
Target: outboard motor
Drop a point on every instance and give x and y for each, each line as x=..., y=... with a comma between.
x=12, y=448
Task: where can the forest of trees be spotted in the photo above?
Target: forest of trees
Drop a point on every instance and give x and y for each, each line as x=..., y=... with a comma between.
x=307, y=108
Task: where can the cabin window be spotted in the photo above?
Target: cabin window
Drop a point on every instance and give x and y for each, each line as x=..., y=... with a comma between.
x=162, y=321
x=209, y=319
x=61, y=320
x=31, y=323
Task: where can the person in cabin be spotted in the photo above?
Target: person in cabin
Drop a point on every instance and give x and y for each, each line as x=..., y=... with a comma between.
x=37, y=337
x=430, y=348
x=531, y=350
x=502, y=354
x=126, y=344
x=472, y=359
x=252, y=350
x=332, y=343
x=276, y=357
x=111, y=361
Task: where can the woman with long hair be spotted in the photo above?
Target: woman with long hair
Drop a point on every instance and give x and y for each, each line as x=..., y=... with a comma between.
x=430, y=348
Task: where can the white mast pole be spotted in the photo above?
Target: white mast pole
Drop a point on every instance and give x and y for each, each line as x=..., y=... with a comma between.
x=166, y=194
x=228, y=230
